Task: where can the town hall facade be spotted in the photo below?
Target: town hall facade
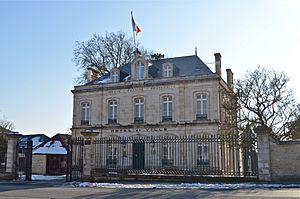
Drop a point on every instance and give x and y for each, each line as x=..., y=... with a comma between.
x=144, y=102
x=177, y=96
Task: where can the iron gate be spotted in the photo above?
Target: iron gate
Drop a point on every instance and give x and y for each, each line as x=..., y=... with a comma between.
x=3, y=149
x=199, y=155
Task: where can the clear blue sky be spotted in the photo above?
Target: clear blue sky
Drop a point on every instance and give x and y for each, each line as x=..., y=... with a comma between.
x=37, y=39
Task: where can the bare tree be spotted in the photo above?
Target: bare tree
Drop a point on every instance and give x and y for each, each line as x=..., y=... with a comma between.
x=294, y=129
x=6, y=124
x=264, y=99
x=104, y=52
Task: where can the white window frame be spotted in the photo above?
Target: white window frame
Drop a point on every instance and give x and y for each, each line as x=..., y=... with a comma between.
x=202, y=104
x=85, y=112
x=140, y=69
x=167, y=106
x=139, y=108
x=113, y=109
x=115, y=76
x=167, y=71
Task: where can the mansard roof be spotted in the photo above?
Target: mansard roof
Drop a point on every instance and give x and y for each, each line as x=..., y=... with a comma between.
x=182, y=66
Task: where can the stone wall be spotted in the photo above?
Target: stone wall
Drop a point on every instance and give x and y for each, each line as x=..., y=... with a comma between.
x=285, y=160
x=277, y=160
x=39, y=164
x=11, y=157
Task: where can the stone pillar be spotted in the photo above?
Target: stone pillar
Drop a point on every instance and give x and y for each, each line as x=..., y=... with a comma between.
x=88, y=154
x=11, y=158
x=263, y=153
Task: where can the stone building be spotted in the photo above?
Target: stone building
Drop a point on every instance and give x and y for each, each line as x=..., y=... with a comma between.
x=172, y=96
x=50, y=157
x=149, y=104
x=8, y=154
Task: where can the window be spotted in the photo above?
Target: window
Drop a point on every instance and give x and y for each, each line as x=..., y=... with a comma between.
x=85, y=113
x=112, y=111
x=139, y=110
x=111, y=155
x=201, y=107
x=167, y=156
x=167, y=72
x=167, y=108
x=115, y=76
x=139, y=71
x=202, y=154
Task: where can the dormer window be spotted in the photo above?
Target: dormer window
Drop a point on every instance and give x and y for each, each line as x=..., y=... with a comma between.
x=167, y=70
x=114, y=75
x=139, y=70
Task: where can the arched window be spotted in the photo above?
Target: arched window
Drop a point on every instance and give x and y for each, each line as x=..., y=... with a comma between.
x=85, y=113
x=139, y=110
x=201, y=106
x=139, y=70
x=167, y=108
x=112, y=111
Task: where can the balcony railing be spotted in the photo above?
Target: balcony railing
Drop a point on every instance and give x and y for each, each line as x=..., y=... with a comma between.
x=167, y=118
x=85, y=122
x=138, y=119
x=201, y=116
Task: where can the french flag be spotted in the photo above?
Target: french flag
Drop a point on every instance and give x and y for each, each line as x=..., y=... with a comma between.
x=135, y=27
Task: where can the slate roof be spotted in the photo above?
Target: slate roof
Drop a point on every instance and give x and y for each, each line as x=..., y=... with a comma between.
x=182, y=66
x=35, y=138
x=55, y=145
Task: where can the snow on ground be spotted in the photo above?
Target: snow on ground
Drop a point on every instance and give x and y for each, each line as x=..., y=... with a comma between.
x=42, y=177
x=144, y=185
x=212, y=186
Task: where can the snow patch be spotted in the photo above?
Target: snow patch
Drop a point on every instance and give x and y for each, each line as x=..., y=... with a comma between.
x=217, y=186
x=42, y=177
x=51, y=147
x=106, y=80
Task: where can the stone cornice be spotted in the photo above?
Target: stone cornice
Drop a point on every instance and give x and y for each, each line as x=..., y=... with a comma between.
x=145, y=83
x=147, y=126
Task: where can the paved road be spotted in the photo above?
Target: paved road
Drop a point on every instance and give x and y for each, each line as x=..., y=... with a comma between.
x=57, y=189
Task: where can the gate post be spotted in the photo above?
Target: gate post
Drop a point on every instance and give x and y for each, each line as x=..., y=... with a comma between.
x=88, y=154
x=12, y=155
x=263, y=152
x=28, y=156
x=69, y=161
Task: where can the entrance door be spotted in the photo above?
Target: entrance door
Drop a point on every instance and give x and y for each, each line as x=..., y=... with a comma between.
x=138, y=155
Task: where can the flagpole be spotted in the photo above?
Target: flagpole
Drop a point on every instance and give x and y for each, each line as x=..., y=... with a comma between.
x=133, y=30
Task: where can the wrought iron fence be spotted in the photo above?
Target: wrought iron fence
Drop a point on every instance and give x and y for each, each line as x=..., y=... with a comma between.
x=75, y=158
x=214, y=155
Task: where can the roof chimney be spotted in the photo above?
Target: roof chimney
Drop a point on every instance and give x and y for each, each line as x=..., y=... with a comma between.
x=92, y=73
x=229, y=78
x=218, y=63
